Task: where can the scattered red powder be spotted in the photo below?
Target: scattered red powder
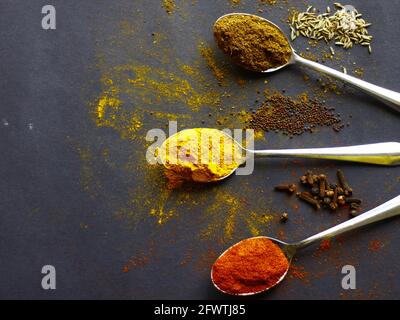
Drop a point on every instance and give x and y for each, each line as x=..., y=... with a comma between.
x=135, y=262
x=250, y=266
x=375, y=245
x=282, y=235
x=295, y=207
x=325, y=245
x=298, y=272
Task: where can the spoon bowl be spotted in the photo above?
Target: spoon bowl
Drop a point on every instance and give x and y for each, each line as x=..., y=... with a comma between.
x=164, y=148
x=289, y=251
x=292, y=59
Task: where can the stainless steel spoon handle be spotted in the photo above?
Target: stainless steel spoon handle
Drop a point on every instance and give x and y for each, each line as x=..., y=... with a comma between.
x=387, y=153
x=392, y=98
x=384, y=211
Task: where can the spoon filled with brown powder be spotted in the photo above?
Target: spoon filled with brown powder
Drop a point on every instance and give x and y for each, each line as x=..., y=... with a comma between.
x=252, y=42
x=259, y=45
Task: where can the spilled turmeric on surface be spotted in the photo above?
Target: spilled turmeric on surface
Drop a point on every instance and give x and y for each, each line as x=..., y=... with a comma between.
x=169, y=6
x=209, y=57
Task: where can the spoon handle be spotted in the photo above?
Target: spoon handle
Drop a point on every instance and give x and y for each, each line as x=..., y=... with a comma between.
x=387, y=153
x=390, y=97
x=384, y=211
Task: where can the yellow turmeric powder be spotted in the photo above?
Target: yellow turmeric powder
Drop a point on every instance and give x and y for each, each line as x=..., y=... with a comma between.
x=200, y=155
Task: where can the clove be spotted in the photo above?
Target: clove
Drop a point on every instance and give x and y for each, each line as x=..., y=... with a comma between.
x=322, y=185
x=307, y=197
x=334, y=204
x=341, y=200
x=291, y=188
x=353, y=200
x=344, y=184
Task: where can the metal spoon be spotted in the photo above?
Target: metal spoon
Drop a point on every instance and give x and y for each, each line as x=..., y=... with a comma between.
x=390, y=97
x=387, y=153
x=384, y=211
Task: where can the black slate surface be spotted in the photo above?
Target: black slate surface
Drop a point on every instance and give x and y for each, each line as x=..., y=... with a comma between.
x=48, y=218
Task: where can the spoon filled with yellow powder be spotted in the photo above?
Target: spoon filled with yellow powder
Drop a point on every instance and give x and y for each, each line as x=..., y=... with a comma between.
x=200, y=155
x=210, y=155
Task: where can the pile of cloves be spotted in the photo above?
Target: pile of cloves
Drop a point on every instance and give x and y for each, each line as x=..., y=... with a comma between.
x=323, y=194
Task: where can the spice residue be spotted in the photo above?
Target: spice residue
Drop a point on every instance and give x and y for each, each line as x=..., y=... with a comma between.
x=325, y=245
x=359, y=72
x=169, y=6
x=270, y=2
x=251, y=266
x=138, y=261
x=375, y=245
x=298, y=272
x=145, y=85
x=252, y=42
x=292, y=117
x=209, y=57
x=235, y=2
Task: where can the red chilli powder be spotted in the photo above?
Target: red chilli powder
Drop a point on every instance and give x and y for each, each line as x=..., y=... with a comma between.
x=250, y=266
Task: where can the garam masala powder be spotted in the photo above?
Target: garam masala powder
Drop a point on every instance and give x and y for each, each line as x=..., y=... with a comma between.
x=252, y=42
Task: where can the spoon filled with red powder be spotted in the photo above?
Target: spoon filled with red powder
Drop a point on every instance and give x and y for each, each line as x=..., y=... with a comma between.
x=257, y=264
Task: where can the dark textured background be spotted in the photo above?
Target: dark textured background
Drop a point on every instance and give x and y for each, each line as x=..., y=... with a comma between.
x=43, y=206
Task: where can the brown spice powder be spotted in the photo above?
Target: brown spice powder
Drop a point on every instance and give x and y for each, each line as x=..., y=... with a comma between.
x=252, y=42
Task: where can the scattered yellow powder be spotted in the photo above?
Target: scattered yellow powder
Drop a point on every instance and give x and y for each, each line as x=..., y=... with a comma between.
x=142, y=86
x=259, y=135
x=169, y=6
x=228, y=212
x=359, y=72
x=239, y=119
x=104, y=104
x=208, y=55
x=127, y=29
x=88, y=177
x=189, y=70
x=270, y=2
x=108, y=114
x=235, y=2
x=154, y=85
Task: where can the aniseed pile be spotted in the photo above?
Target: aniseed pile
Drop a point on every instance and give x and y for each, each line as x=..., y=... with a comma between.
x=292, y=117
x=345, y=26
